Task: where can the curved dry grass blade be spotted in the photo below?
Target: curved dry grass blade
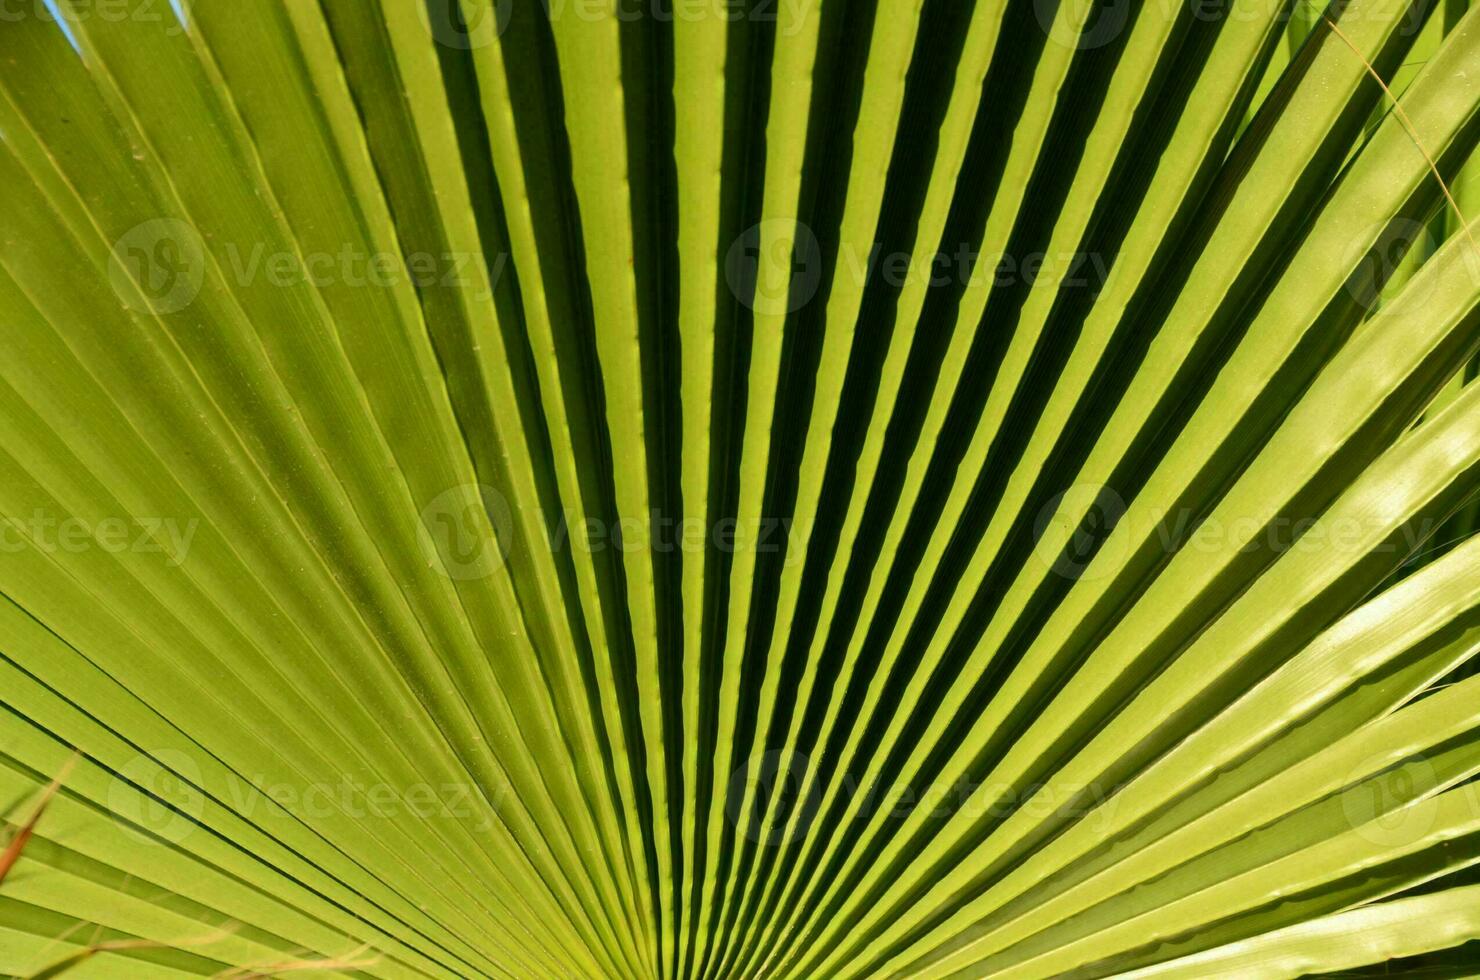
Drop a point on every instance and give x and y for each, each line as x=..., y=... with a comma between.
x=20, y=835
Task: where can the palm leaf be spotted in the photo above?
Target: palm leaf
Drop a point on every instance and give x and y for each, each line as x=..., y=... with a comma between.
x=738, y=489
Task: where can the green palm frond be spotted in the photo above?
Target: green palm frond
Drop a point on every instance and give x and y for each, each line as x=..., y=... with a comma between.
x=739, y=488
